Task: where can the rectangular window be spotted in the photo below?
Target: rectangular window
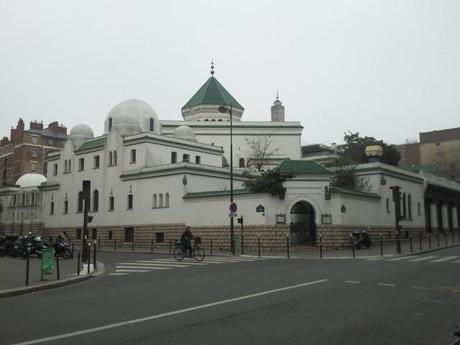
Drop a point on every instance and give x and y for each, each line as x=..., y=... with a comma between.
x=173, y=157
x=110, y=235
x=133, y=156
x=130, y=202
x=34, y=139
x=186, y=158
x=55, y=169
x=78, y=234
x=197, y=159
x=81, y=164
x=111, y=203
x=129, y=234
x=34, y=152
x=33, y=166
x=52, y=207
x=159, y=237
x=66, y=206
x=94, y=234
x=96, y=162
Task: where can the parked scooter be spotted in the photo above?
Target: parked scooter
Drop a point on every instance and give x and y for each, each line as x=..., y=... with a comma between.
x=7, y=244
x=62, y=246
x=361, y=239
x=29, y=245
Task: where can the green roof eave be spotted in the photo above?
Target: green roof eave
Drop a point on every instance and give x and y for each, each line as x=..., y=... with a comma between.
x=92, y=144
x=302, y=167
x=212, y=93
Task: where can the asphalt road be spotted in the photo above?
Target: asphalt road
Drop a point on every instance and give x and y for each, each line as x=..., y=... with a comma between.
x=276, y=301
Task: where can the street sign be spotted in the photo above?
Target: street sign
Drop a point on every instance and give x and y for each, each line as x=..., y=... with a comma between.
x=233, y=207
x=233, y=214
x=260, y=208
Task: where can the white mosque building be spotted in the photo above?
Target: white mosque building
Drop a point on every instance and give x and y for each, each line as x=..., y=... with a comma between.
x=150, y=178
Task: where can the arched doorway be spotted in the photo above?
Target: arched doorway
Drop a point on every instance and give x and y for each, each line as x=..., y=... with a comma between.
x=303, y=226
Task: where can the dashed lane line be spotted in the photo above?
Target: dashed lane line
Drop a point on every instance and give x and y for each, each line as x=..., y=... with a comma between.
x=153, y=264
x=424, y=258
x=447, y=258
x=140, y=268
x=131, y=271
x=352, y=282
x=403, y=258
x=172, y=262
x=386, y=284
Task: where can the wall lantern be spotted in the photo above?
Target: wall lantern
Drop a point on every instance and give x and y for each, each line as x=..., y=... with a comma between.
x=326, y=219
x=280, y=218
x=343, y=209
x=327, y=193
x=383, y=180
x=184, y=180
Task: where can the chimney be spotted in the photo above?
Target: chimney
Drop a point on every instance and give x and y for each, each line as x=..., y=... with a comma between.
x=36, y=125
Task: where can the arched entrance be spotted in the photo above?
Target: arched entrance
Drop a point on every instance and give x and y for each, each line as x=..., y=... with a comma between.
x=303, y=226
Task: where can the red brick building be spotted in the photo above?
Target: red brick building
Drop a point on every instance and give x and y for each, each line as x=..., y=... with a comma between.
x=25, y=150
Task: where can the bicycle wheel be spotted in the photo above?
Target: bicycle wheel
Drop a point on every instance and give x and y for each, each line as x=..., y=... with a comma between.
x=198, y=254
x=178, y=254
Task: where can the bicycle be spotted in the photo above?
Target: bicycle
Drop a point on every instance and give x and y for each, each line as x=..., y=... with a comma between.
x=197, y=252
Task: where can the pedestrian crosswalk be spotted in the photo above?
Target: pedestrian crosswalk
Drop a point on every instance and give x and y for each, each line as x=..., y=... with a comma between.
x=421, y=258
x=144, y=266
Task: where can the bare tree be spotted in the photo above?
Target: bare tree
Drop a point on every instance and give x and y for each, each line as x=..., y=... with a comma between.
x=259, y=151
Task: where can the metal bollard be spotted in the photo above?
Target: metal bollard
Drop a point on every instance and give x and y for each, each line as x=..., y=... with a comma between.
x=115, y=244
x=258, y=245
x=72, y=249
x=437, y=239
x=420, y=241
x=170, y=246
x=381, y=244
x=27, y=271
x=94, y=259
x=320, y=246
x=352, y=246
x=78, y=263
x=287, y=245
x=410, y=245
x=429, y=241
x=151, y=246
x=210, y=250
x=89, y=257
x=58, y=270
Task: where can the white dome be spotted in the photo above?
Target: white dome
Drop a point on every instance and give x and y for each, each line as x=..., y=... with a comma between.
x=79, y=134
x=184, y=132
x=131, y=117
x=30, y=180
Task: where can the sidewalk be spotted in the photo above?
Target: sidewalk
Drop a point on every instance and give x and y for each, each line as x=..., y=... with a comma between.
x=13, y=273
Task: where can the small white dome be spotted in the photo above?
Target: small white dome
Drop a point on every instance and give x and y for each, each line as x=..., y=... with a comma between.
x=79, y=134
x=184, y=132
x=30, y=180
x=131, y=117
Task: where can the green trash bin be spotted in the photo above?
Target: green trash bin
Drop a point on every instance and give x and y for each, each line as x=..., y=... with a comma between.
x=48, y=262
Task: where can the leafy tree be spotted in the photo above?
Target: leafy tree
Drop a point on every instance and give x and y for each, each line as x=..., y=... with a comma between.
x=345, y=177
x=268, y=182
x=355, y=146
x=258, y=151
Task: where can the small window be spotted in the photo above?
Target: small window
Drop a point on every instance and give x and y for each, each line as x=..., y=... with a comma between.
x=167, y=200
x=96, y=162
x=115, y=158
x=69, y=166
x=66, y=168
x=94, y=234
x=197, y=159
x=130, y=201
x=23, y=199
x=52, y=207
x=55, y=169
x=34, y=139
x=110, y=234
x=387, y=205
x=33, y=166
x=159, y=237
x=152, y=124
x=241, y=163
x=110, y=158
x=419, y=209
x=161, y=200
x=110, y=123
x=34, y=152
x=81, y=164
x=80, y=202
x=129, y=234
x=95, y=200
x=66, y=206
x=111, y=203
x=78, y=234
x=173, y=157
x=409, y=206
x=154, y=205
x=33, y=198
x=186, y=158
x=133, y=156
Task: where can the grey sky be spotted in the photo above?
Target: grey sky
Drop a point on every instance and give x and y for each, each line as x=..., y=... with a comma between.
x=388, y=69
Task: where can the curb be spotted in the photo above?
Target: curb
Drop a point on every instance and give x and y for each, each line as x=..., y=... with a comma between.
x=52, y=285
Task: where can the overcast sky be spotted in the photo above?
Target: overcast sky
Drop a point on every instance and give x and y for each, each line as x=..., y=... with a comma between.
x=388, y=69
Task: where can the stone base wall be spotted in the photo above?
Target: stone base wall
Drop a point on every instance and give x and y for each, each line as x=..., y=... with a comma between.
x=20, y=229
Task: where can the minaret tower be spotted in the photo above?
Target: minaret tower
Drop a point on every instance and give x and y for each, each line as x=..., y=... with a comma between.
x=277, y=110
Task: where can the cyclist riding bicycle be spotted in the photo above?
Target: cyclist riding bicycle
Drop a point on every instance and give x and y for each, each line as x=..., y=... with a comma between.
x=186, y=241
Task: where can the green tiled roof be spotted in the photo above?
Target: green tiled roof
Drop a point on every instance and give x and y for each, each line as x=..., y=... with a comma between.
x=92, y=144
x=215, y=193
x=301, y=167
x=428, y=168
x=212, y=93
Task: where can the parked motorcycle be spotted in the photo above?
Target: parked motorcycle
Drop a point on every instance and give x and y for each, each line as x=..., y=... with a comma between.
x=361, y=239
x=7, y=244
x=29, y=245
x=62, y=246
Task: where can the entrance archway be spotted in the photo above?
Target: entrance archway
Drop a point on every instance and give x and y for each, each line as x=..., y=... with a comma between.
x=302, y=225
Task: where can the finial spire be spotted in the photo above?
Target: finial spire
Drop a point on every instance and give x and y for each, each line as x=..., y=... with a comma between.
x=212, y=67
x=277, y=96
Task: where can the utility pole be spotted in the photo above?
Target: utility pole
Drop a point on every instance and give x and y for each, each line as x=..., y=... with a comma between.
x=397, y=201
x=86, y=194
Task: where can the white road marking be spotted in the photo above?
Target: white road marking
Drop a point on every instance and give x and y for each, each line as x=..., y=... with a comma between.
x=352, y=282
x=447, y=258
x=386, y=284
x=151, y=264
x=435, y=300
x=172, y=262
x=457, y=262
x=421, y=288
x=423, y=258
x=118, y=274
x=403, y=258
x=140, y=268
x=171, y=313
x=130, y=271
x=229, y=259
x=375, y=259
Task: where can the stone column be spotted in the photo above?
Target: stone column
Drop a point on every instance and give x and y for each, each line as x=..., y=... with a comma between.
x=427, y=208
x=439, y=216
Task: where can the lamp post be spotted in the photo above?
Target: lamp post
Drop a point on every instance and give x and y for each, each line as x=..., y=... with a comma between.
x=228, y=110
